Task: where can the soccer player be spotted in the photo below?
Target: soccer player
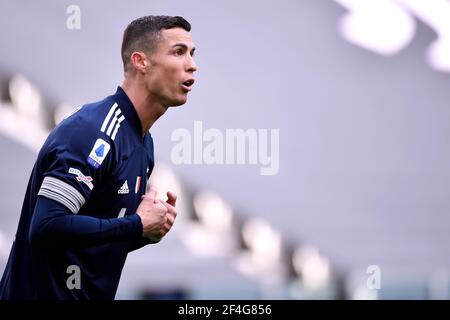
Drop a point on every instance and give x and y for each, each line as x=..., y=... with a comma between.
x=85, y=206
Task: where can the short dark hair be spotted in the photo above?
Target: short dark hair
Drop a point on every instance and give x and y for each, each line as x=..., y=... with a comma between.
x=143, y=34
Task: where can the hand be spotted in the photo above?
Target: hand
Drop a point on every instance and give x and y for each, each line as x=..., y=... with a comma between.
x=153, y=214
x=171, y=211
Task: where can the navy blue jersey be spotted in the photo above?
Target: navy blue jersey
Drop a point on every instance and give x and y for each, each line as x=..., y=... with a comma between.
x=80, y=205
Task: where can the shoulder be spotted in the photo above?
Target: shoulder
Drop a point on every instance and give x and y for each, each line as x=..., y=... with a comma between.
x=90, y=117
x=82, y=130
x=97, y=119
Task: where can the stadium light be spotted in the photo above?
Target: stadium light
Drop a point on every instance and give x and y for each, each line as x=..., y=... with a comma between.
x=23, y=119
x=436, y=14
x=388, y=26
x=262, y=259
x=313, y=268
x=213, y=212
x=212, y=234
x=25, y=97
x=380, y=26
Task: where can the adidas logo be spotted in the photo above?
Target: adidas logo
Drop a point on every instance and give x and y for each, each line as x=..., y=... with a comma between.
x=124, y=188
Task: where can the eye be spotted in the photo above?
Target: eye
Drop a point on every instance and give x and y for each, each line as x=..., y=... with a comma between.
x=179, y=52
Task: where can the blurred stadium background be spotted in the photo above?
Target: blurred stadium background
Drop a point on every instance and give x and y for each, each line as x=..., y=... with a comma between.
x=359, y=91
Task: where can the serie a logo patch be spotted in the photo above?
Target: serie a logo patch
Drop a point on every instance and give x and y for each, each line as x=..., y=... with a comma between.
x=98, y=153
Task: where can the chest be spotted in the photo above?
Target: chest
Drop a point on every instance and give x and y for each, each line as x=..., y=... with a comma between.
x=120, y=193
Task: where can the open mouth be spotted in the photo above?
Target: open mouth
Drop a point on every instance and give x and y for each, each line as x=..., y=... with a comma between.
x=187, y=85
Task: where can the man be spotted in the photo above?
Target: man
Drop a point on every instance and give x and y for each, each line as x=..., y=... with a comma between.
x=85, y=207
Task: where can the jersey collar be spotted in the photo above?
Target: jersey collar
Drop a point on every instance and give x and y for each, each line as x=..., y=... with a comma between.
x=129, y=110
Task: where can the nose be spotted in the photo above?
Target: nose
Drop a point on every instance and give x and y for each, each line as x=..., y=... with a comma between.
x=192, y=66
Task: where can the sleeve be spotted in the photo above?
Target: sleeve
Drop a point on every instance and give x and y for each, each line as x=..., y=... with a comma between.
x=78, y=157
x=54, y=225
x=138, y=243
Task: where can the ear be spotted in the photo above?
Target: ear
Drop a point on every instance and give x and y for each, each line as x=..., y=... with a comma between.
x=139, y=61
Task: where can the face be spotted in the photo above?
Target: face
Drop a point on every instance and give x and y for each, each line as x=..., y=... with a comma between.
x=170, y=74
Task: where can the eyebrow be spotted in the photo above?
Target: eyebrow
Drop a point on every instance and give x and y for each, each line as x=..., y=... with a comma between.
x=184, y=46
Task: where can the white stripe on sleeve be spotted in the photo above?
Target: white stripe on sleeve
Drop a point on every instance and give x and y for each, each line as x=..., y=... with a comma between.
x=62, y=192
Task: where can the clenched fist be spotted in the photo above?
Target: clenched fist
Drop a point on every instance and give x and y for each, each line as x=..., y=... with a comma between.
x=153, y=214
x=171, y=211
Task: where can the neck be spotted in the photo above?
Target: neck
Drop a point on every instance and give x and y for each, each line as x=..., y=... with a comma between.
x=147, y=108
